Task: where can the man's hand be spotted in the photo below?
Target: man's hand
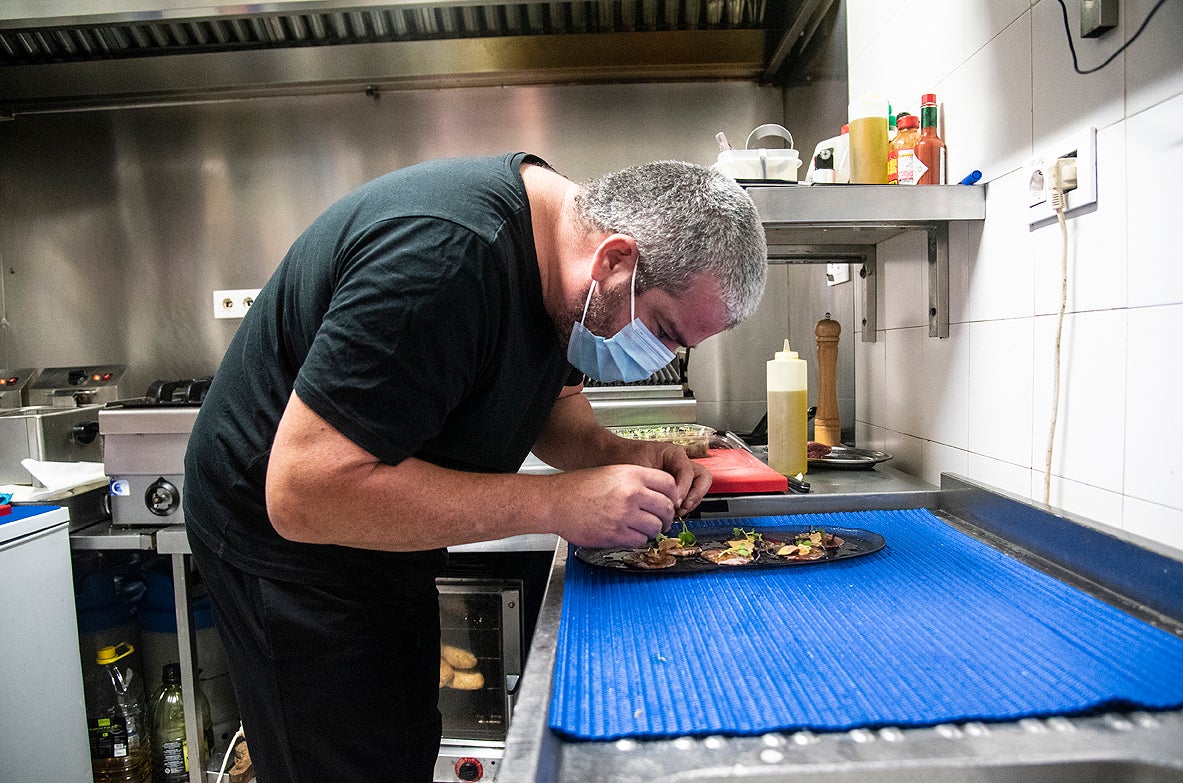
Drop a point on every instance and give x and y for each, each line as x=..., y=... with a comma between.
x=616, y=505
x=573, y=440
x=691, y=478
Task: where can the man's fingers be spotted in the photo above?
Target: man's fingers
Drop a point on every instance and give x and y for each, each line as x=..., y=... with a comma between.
x=698, y=490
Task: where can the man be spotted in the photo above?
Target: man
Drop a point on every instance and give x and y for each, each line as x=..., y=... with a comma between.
x=414, y=345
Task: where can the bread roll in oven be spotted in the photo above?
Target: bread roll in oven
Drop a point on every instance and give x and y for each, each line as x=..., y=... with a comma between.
x=468, y=680
x=457, y=657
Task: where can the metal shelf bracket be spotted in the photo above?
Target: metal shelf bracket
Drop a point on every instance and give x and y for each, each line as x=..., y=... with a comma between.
x=830, y=223
x=938, y=280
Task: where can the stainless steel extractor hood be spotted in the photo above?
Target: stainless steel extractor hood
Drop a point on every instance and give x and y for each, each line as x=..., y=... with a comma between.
x=57, y=54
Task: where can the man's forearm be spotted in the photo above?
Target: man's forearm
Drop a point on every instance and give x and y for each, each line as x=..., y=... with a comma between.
x=414, y=506
x=323, y=488
x=572, y=438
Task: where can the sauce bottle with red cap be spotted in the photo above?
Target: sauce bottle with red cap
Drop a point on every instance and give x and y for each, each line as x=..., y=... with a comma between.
x=901, y=169
x=930, y=150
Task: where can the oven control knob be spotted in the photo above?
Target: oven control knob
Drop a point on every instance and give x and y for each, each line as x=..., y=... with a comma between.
x=162, y=497
x=85, y=433
x=469, y=769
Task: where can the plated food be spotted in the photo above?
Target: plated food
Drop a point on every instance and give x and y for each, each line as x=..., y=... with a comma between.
x=736, y=548
x=815, y=450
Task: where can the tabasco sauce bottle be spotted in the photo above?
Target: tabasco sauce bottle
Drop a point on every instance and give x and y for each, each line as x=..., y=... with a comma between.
x=930, y=150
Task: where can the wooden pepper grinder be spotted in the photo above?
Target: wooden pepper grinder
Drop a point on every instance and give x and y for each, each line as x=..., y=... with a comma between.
x=827, y=428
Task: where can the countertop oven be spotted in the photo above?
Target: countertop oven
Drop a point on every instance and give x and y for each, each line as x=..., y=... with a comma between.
x=488, y=608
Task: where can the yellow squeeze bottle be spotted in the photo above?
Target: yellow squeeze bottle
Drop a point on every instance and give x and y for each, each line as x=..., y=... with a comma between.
x=788, y=417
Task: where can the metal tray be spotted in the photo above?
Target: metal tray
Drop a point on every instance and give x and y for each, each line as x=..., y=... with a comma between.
x=849, y=458
x=856, y=543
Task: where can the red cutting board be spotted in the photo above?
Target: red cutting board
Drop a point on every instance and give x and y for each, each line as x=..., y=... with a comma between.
x=739, y=472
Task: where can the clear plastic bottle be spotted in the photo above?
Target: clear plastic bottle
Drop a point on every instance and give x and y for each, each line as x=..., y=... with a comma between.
x=831, y=160
x=788, y=417
x=842, y=155
x=115, y=718
x=170, y=749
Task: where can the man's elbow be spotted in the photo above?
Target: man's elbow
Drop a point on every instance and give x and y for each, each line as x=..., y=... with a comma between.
x=291, y=515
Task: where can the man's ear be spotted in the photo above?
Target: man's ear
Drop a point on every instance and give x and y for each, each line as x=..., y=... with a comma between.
x=615, y=258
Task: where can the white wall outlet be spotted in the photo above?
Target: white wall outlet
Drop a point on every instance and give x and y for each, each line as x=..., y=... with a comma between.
x=1081, y=145
x=1097, y=17
x=837, y=273
x=234, y=302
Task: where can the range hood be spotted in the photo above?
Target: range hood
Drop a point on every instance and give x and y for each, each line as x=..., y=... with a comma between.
x=70, y=54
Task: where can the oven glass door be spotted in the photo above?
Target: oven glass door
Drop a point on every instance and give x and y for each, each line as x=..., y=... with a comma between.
x=480, y=656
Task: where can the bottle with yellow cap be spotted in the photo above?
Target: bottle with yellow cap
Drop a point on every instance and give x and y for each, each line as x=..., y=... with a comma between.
x=119, y=749
x=788, y=417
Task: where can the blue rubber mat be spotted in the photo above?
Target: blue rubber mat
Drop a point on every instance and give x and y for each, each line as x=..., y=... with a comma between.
x=935, y=627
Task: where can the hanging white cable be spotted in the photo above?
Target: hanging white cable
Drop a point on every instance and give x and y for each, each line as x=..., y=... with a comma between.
x=226, y=759
x=3, y=302
x=1057, y=193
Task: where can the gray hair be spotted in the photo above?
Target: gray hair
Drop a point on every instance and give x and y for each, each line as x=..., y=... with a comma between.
x=687, y=220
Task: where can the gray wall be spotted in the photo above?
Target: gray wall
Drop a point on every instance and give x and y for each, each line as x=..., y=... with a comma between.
x=116, y=225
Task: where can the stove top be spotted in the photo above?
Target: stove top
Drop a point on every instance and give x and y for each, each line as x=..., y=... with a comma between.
x=180, y=393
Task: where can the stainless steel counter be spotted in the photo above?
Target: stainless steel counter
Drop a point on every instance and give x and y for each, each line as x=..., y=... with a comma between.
x=1140, y=577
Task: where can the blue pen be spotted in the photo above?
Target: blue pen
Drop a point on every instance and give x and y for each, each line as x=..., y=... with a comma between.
x=971, y=178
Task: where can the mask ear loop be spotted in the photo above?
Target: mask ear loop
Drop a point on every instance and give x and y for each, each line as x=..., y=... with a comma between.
x=587, y=302
x=633, y=305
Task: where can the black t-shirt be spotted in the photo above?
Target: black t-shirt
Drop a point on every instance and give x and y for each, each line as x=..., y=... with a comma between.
x=410, y=317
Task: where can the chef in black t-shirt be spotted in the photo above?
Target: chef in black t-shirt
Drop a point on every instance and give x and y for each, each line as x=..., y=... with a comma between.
x=417, y=341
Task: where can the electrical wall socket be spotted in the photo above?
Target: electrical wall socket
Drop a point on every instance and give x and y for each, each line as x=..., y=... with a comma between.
x=1097, y=17
x=234, y=302
x=1081, y=145
x=837, y=273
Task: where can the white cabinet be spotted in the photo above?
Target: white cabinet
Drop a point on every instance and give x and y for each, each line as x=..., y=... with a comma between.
x=43, y=718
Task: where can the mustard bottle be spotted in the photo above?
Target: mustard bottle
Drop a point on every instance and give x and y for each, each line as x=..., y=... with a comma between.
x=788, y=417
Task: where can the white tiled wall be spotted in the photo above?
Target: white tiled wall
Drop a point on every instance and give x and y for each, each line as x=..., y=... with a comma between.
x=980, y=403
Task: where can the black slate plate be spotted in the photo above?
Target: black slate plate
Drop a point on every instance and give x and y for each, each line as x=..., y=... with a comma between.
x=856, y=543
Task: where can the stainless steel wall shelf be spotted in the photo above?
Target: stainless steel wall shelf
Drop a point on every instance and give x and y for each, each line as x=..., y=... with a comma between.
x=843, y=223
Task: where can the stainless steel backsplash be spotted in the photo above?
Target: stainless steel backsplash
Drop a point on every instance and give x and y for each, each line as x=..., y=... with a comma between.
x=116, y=225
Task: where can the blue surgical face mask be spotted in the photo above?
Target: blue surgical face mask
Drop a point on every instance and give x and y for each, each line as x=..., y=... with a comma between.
x=632, y=354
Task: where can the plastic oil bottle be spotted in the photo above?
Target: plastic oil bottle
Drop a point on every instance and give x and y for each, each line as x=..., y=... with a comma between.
x=115, y=717
x=788, y=417
x=171, y=754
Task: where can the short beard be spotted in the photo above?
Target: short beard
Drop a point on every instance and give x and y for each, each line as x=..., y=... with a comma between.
x=605, y=308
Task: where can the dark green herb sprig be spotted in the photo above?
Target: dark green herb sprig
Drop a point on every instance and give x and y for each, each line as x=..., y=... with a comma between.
x=685, y=537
